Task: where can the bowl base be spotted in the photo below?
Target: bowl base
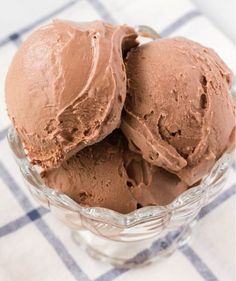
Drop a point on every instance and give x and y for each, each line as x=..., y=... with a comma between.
x=132, y=254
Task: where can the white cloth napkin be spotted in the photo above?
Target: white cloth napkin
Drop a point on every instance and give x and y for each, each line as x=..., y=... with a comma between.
x=34, y=246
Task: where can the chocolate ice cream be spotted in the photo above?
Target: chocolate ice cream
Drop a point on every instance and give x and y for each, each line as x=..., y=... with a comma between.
x=66, y=87
x=65, y=91
x=95, y=177
x=108, y=175
x=178, y=112
x=151, y=185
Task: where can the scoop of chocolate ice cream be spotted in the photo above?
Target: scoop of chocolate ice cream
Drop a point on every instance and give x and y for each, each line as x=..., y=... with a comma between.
x=66, y=87
x=178, y=112
x=95, y=177
x=108, y=174
x=151, y=185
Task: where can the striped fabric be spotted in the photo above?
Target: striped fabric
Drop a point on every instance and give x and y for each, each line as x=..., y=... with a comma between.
x=34, y=246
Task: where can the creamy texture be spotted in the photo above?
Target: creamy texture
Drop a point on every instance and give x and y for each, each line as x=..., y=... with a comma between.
x=151, y=185
x=95, y=177
x=65, y=91
x=178, y=112
x=66, y=87
x=108, y=175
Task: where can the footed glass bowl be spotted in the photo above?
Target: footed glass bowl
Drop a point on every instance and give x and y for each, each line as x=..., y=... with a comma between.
x=130, y=240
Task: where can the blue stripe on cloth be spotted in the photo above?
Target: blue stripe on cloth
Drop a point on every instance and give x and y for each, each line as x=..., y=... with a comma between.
x=3, y=133
x=142, y=256
x=62, y=252
x=186, y=250
x=16, y=38
x=234, y=166
x=102, y=11
x=180, y=22
x=57, y=245
x=199, y=265
x=218, y=201
x=22, y=221
x=27, y=28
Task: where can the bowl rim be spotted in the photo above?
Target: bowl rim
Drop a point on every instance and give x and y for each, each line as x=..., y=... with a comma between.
x=199, y=192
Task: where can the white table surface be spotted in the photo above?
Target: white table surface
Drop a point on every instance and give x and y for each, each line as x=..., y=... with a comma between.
x=222, y=13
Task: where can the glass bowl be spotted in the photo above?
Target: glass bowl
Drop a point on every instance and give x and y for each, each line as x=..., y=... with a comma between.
x=135, y=239
x=138, y=238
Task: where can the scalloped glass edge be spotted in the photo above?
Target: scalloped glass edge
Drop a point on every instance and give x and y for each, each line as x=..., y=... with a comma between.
x=217, y=176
